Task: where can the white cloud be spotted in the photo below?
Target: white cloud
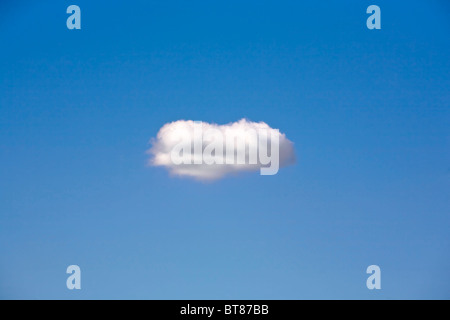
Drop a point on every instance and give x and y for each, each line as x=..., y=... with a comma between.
x=205, y=151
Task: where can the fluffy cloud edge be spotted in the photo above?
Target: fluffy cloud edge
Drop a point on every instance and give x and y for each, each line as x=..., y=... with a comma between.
x=185, y=135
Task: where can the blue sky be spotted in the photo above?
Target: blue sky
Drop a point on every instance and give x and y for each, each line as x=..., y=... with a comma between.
x=367, y=110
